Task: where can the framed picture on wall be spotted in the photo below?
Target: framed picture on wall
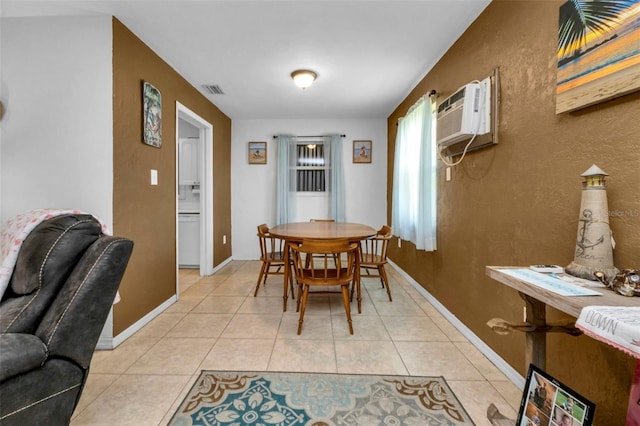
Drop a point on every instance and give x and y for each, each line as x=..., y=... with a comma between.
x=598, y=56
x=361, y=151
x=257, y=153
x=151, y=115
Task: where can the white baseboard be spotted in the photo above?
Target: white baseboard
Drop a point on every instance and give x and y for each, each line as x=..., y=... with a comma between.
x=223, y=264
x=112, y=343
x=496, y=359
x=106, y=342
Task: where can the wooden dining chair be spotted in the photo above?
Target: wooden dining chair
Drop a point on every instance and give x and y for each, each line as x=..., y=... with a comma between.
x=272, y=255
x=331, y=272
x=373, y=256
x=310, y=258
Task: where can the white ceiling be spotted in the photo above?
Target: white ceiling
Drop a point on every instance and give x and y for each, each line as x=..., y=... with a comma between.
x=369, y=54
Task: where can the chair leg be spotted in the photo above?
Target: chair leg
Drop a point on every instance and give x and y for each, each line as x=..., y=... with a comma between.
x=293, y=292
x=304, y=296
x=300, y=291
x=262, y=274
x=347, y=306
x=385, y=281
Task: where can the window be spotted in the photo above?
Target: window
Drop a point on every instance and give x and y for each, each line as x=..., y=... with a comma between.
x=413, y=210
x=310, y=167
x=305, y=171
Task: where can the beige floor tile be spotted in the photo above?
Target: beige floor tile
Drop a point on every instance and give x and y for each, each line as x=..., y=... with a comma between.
x=437, y=359
x=188, y=277
x=318, y=304
x=273, y=288
x=476, y=396
x=447, y=328
x=368, y=357
x=416, y=329
x=219, y=305
x=201, y=325
x=260, y=326
x=184, y=305
x=481, y=362
x=398, y=307
x=199, y=289
x=173, y=356
x=235, y=287
x=365, y=327
x=160, y=325
x=314, y=327
x=239, y=355
x=178, y=401
x=95, y=385
x=510, y=392
x=261, y=305
x=116, y=361
x=314, y=356
x=133, y=400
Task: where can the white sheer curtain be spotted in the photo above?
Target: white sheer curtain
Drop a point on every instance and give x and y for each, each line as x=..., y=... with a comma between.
x=284, y=170
x=334, y=177
x=413, y=209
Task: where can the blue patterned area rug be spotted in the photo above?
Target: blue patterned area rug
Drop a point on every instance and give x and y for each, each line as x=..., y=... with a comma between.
x=236, y=398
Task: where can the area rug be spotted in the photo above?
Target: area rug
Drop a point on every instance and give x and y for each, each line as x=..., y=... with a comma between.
x=235, y=398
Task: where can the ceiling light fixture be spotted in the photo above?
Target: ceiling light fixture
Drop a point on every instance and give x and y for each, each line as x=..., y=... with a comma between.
x=303, y=78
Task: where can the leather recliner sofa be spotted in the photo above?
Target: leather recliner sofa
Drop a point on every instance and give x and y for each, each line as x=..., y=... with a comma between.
x=52, y=314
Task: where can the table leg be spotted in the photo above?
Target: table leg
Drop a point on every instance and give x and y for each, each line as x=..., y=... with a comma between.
x=357, y=277
x=287, y=274
x=536, y=341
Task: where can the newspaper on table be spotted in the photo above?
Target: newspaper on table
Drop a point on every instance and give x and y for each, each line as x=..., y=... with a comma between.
x=618, y=326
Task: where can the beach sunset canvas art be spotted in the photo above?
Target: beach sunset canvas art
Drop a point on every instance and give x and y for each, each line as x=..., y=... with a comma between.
x=598, y=52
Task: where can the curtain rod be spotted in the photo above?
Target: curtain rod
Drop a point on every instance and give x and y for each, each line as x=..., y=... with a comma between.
x=430, y=94
x=308, y=136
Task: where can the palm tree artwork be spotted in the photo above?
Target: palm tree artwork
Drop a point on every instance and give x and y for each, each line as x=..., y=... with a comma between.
x=598, y=51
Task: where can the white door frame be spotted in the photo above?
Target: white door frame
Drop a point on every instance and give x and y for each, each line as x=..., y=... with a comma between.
x=206, y=188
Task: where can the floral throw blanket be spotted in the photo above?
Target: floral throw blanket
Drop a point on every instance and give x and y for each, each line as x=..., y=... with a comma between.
x=14, y=232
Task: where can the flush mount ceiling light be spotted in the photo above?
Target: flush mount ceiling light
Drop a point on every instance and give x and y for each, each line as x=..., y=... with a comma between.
x=303, y=78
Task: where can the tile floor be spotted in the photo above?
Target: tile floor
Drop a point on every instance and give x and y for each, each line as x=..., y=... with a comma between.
x=217, y=324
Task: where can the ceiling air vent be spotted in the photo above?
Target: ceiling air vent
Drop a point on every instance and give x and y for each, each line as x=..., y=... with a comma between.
x=213, y=89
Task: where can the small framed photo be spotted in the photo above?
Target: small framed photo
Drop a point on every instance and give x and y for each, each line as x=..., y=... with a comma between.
x=361, y=151
x=257, y=153
x=151, y=115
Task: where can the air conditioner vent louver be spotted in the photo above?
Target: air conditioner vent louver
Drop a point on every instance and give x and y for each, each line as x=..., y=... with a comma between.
x=464, y=114
x=213, y=89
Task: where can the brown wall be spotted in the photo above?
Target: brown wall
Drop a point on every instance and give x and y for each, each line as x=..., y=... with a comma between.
x=145, y=213
x=518, y=203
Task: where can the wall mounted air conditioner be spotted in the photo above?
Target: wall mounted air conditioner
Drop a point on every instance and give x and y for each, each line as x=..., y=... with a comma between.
x=464, y=114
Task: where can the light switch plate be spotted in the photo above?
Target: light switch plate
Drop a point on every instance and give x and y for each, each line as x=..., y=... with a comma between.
x=154, y=177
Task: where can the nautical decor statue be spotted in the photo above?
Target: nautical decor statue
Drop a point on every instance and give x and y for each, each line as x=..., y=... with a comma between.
x=594, y=246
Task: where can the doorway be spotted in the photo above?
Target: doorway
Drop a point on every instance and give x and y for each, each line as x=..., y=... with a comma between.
x=205, y=135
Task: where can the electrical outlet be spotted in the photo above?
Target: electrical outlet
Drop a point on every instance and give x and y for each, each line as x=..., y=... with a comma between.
x=399, y=242
x=448, y=173
x=154, y=177
x=224, y=239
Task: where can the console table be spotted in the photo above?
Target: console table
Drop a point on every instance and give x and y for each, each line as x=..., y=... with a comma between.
x=536, y=300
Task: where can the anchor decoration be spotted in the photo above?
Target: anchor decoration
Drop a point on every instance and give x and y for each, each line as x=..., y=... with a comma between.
x=594, y=244
x=583, y=243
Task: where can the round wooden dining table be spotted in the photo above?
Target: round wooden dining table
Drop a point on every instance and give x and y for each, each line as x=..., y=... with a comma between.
x=298, y=231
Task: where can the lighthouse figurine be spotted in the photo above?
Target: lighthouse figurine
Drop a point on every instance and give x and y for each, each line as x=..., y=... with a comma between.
x=594, y=245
